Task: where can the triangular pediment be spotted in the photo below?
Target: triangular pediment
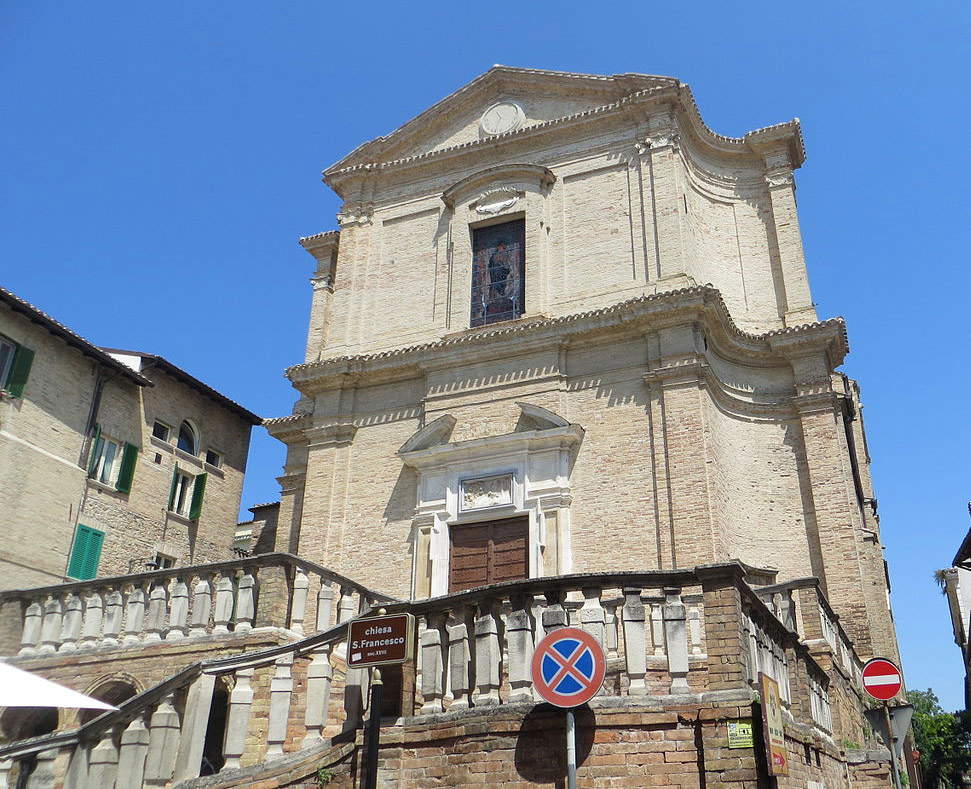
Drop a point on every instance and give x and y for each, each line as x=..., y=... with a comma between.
x=529, y=97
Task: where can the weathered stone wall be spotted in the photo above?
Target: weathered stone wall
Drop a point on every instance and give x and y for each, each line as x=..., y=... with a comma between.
x=44, y=455
x=41, y=447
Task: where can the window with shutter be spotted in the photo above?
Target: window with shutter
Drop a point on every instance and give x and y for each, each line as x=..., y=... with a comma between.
x=86, y=553
x=128, y=458
x=198, y=491
x=95, y=454
x=16, y=380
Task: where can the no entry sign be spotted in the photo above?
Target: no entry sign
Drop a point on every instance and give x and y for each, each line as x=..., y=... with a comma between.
x=568, y=667
x=882, y=679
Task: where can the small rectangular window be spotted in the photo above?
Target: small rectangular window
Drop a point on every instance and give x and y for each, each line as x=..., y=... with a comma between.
x=498, y=273
x=213, y=458
x=163, y=562
x=160, y=431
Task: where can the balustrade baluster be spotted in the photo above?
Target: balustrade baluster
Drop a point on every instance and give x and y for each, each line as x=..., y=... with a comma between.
x=635, y=647
x=44, y=774
x=223, y=611
x=134, y=615
x=71, y=626
x=237, y=722
x=164, y=735
x=114, y=611
x=519, y=644
x=345, y=606
x=201, y=608
x=103, y=762
x=195, y=721
x=459, y=657
x=320, y=675
x=158, y=601
x=610, y=622
x=488, y=655
x=6, y=765
x=51, y=630
x=298, y=602
x=178, y=610
x=694, y=628
x=131, y=757
x=592, y=615
x=93, y=621
x=432, y=665
x=30, y=635
x=657, y=629
x=281, y=688
x=676, y=640
x=325, y=605
x=76, y=776
x=245, y=603
x=554, y=615
x=357, y=680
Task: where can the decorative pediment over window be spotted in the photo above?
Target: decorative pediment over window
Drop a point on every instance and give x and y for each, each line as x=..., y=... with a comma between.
x=434, y=433
x=498, y=184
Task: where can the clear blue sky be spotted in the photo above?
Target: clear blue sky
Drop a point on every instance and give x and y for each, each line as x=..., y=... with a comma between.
x=160, y=161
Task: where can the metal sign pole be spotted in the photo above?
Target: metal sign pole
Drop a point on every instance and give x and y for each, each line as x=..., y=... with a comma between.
x=372, y=734
x=571, y=750
x=891, y=745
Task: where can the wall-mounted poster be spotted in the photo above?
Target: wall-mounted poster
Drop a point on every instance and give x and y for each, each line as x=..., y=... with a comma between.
x=773, y=727
x=498, y=272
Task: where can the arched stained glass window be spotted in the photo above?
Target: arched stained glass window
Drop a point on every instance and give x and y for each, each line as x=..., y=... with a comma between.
x=188, y=442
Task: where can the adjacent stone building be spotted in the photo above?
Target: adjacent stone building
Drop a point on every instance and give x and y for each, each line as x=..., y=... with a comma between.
x=110, y=461
x=563, y=367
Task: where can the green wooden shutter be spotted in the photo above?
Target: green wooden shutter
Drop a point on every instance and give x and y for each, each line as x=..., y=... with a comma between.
x=198, y=491
x=128, y=458
x=175, y=479
x=86, y=553
x=95, y=452
x=23, y=358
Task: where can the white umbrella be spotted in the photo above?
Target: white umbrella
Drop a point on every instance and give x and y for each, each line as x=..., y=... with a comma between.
x=20, y=688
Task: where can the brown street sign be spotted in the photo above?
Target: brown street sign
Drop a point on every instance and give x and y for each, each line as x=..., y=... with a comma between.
x=380, y=640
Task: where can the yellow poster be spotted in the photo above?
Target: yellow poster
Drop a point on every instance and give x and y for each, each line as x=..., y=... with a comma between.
x=773, y=726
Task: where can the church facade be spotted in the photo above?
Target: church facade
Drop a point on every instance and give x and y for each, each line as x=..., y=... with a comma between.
x=563, y=367
x=565, y=324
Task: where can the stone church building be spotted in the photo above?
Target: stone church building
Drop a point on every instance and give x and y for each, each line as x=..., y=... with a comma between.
x=563, y=365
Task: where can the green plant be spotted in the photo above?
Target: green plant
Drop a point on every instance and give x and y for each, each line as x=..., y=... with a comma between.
x=324, y=776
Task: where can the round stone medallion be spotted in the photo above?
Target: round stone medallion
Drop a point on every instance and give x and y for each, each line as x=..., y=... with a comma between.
x=502, y=117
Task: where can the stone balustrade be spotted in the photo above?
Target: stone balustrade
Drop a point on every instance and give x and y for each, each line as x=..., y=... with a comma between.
x=271, y=590
x=670, y=637
x=802, y=606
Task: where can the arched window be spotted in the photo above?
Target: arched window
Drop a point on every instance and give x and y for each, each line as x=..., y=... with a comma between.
x=188, y=442
x=113, y=692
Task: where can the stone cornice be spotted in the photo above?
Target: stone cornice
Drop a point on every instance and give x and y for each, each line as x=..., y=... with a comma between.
x=321, y=245
x=702, y=304
x=370, y=157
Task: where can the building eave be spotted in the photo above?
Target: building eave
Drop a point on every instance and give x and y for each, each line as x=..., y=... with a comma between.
x=163, y=364
x=73, y=339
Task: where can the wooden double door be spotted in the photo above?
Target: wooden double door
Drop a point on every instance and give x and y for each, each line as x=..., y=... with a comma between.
x=488, y=552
